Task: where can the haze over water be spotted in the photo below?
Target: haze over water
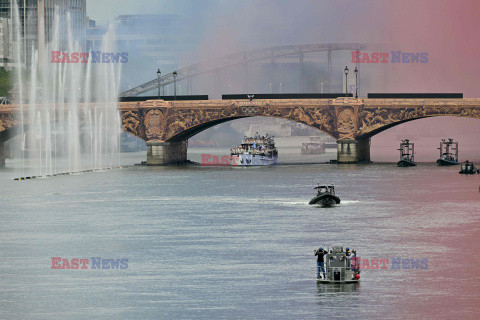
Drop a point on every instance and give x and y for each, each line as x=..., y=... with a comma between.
x=223, y=242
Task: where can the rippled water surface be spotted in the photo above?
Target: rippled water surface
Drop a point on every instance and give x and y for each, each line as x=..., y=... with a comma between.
x=205, y=242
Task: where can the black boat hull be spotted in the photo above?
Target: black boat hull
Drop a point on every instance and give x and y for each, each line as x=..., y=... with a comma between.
x=325, y=200
x=443, y=162
x=468, y=172
x=337, y=282
x=406, y=163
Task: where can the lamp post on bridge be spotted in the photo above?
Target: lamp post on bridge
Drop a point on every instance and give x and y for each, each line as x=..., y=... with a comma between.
x=356, y=82
x=175, y=84
x=159, y=73
x=346, y=79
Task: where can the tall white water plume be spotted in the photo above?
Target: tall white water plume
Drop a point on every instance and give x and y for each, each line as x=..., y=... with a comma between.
x=19, y=77
x=70, y=113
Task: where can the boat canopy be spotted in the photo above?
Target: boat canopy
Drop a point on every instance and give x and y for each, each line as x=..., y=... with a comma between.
x=320, y=187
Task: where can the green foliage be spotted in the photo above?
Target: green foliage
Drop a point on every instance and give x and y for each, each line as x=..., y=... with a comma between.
x=6, y=82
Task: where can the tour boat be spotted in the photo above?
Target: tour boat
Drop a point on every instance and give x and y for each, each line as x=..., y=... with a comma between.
x=255, y=151
x=406, y=154
x=325, y=196
x=340, y=267
x=448, y=153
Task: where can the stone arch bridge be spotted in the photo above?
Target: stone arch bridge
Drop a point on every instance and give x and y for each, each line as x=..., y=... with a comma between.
x=166, y=126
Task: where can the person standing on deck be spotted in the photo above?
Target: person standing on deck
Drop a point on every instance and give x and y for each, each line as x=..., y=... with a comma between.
x=354, y=261
x=320, y=263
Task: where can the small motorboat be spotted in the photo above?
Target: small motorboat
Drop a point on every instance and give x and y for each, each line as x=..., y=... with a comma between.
x=448, y=153
x=468, y=168
x=325, y=196
x=406, y=154
x=341, y=266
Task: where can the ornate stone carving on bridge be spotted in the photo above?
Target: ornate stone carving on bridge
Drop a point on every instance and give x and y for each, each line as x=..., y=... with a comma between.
x=374, y=119
x=346, y=116
x=467, y=111
x=154, y=122
x=131, y=122
x=7, y=121
x=322, y=117
x=180, y=120
x=347, y=122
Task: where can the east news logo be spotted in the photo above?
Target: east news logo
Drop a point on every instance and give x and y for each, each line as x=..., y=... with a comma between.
x=96, y=57
x=392, y=57
x=93, y=263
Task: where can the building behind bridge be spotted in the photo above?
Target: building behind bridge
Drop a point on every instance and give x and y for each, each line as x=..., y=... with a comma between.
x=151, y=41
x=35, y=34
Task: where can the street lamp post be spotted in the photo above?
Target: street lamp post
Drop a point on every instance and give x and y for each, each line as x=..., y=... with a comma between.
x=346, y=79
x=158, y=77
x=356, y=82
x=175, y=84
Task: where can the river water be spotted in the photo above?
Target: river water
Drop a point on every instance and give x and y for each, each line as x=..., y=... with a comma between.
x=237, y=243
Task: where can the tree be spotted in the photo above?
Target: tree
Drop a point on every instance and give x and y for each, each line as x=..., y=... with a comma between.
x=6, y=82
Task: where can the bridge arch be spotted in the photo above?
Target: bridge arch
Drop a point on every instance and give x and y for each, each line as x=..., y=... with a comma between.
x=183, y=121
x=378, y=119
x=190, y=132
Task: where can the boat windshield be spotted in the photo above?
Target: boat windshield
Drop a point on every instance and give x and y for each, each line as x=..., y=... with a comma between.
x=325, y=189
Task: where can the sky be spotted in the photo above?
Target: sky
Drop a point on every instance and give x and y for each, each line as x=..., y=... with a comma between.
x=103, y=10
x=446, y=30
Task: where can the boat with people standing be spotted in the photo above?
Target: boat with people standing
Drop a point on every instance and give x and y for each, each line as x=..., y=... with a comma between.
x=337, y=266
x=255, y=151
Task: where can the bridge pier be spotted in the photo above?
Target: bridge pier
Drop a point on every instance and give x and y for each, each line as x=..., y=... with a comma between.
x=2, y=154
x=163, y=153
x=353, y=151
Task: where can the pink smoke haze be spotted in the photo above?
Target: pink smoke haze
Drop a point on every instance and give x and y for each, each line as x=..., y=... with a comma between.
x=448, y=31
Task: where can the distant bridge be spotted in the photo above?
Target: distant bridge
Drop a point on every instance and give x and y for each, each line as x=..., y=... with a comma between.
x=245, y=58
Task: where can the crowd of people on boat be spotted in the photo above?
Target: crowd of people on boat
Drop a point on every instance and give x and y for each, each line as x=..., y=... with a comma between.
x=259, y=140
x=448, y=157
x=259, y=150
x=257, y=145
x=407, y=157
